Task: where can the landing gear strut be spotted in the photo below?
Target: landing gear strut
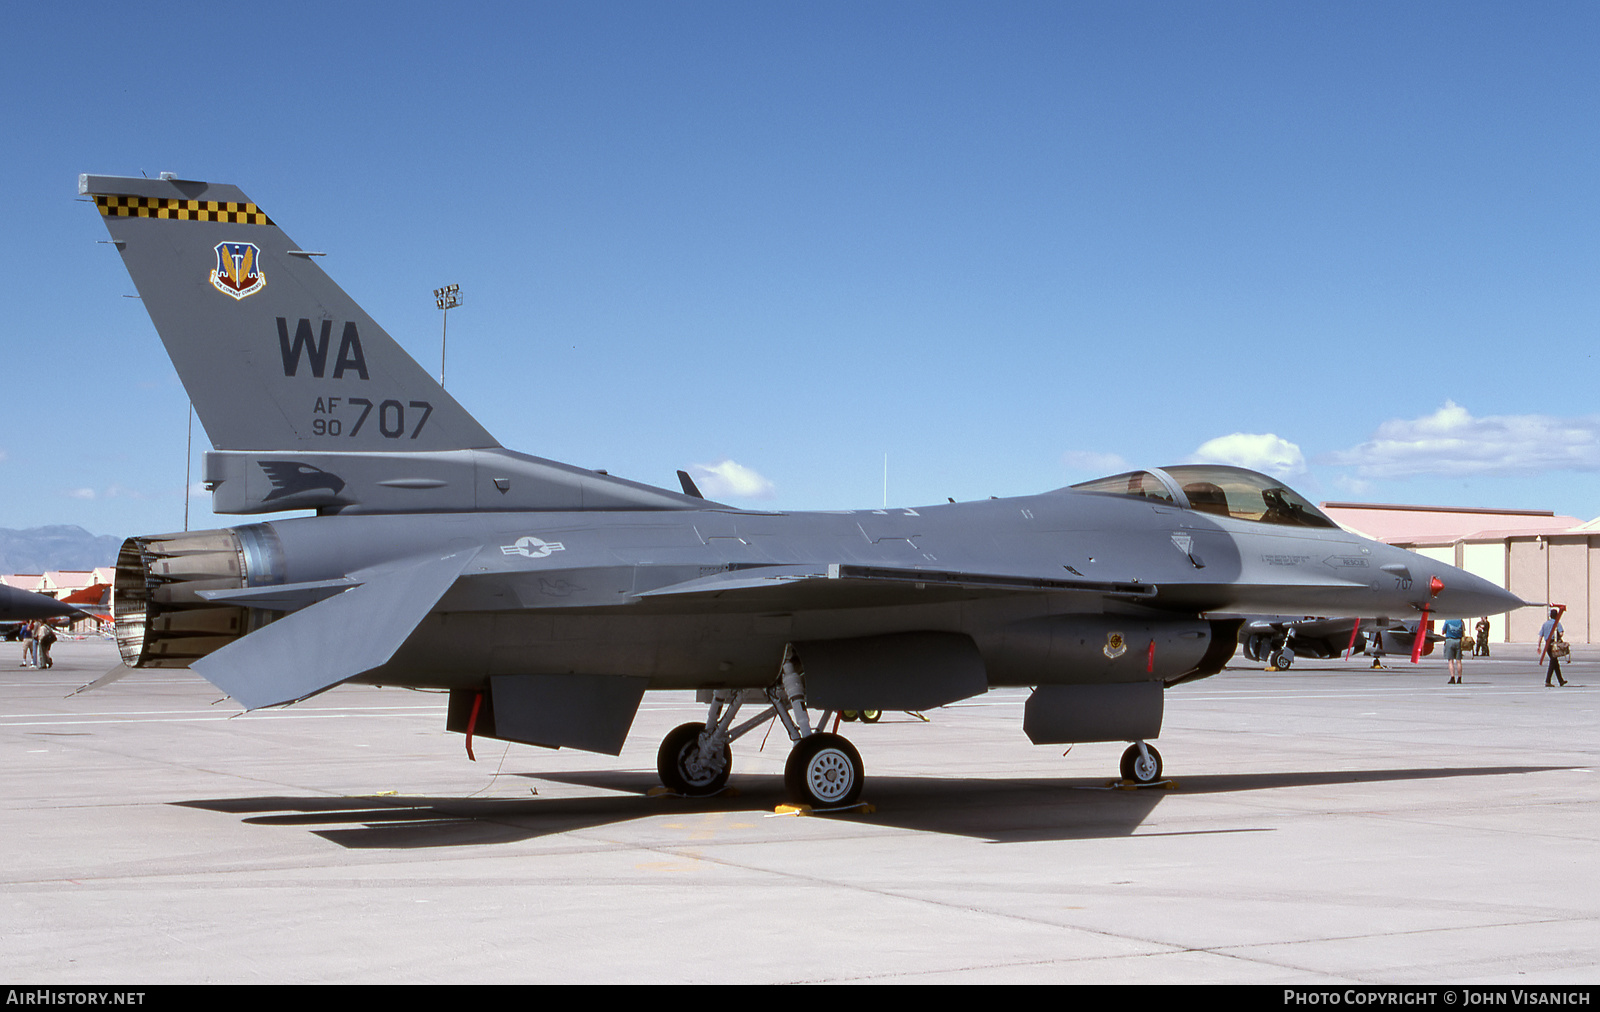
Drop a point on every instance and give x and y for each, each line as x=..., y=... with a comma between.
x=824, y=770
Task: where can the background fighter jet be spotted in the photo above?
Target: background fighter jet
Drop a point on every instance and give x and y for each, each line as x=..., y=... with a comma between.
x=1278, y=641
x=549, y=598
x=20, y=605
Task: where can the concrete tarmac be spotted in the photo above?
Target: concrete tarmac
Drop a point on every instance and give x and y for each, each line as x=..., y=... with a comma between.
x=1327, y=825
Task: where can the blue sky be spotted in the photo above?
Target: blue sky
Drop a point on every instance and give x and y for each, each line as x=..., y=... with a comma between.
x=1008, y=245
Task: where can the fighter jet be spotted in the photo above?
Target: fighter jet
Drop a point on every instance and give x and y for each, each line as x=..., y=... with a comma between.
x=547, y=598
x=17, y=605
x=1278, y=641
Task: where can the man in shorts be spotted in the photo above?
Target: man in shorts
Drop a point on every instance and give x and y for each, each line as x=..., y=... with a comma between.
x=1453, y=631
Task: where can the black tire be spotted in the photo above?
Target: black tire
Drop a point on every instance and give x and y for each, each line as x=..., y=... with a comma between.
x=678, y=751
x=871, y=716
x=1136, y=770
x=824, y=771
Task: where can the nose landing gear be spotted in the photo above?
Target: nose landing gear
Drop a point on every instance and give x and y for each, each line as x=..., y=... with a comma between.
x=1141, y=764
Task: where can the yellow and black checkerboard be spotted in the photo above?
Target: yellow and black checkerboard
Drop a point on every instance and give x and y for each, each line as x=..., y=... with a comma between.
x=235, y=211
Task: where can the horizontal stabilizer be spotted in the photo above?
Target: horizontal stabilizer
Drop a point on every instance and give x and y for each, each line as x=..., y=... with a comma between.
x=334, y=640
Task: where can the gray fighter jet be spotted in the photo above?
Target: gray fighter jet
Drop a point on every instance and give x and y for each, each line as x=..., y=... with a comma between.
x=18, y=605
x=1278, y=641
x=549, y=598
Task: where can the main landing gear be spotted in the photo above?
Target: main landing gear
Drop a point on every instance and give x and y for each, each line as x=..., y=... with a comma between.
x=689, y=765
x=824, y=770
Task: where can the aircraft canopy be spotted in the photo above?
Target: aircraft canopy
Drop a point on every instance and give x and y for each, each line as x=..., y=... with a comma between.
x=1216, y=488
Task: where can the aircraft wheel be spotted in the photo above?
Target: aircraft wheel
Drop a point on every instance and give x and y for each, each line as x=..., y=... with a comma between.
x=824, y=771
x=684, y=771
x=871, y=716
x=1139, y=770
x=848, y=715
x=1283, y=659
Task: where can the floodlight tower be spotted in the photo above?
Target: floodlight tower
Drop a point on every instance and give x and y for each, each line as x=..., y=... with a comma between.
x=446, y=298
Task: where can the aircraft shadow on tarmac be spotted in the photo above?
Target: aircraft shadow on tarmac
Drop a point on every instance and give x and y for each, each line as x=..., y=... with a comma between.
x=994, y=810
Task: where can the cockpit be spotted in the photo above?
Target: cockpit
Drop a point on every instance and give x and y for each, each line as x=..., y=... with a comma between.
x=1216, y=488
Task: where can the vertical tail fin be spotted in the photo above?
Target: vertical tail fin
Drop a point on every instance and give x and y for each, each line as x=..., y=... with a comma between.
x=274, y=355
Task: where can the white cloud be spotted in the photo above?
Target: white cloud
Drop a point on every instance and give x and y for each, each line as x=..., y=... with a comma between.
x=1353, y=486
x=1095, y=463
x=1265, y=452
x=81, y=493
x=1452, y=441
x=729, y=480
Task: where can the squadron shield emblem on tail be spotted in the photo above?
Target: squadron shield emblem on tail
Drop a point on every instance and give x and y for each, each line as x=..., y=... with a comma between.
x=238, y=270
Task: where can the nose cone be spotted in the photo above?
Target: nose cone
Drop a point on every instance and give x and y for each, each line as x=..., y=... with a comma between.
x=1464, y=595
x=17, y=604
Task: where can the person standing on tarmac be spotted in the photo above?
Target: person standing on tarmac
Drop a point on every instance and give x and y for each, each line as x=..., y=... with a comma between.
x=1454, y=630
x=1550, y=638
x=45, y=639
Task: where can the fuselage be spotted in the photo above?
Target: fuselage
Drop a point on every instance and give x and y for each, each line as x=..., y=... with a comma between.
x=593, y=592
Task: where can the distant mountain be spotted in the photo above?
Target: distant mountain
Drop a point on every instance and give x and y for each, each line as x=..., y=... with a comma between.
x=58, y=546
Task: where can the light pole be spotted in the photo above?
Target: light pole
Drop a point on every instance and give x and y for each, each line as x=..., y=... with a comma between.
x=446, y=298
